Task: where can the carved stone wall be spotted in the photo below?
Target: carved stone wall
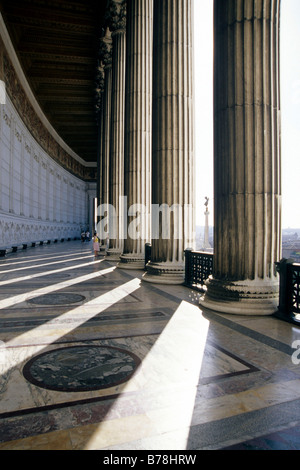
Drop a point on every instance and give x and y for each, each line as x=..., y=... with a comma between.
x=37, y=128
x=39, y=199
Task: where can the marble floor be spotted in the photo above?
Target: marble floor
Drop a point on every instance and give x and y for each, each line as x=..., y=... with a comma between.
x=94, y=358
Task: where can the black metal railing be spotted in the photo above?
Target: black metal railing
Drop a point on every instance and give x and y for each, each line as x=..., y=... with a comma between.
x=289, y=290
x=198, y=267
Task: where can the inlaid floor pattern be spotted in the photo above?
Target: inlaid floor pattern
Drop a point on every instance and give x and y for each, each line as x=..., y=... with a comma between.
x=93, y=357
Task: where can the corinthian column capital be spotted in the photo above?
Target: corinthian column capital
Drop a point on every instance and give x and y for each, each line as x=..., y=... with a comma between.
x=103, y=61
x=99, y=88
x=117, y=16
x=105, y=48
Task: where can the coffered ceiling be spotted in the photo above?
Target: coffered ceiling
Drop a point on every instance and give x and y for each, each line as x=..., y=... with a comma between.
x=57, y=43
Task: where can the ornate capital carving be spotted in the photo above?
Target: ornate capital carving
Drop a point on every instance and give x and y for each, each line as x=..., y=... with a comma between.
x=104, y=61
x=105, y=48
x=117, y=16
x=99, y=88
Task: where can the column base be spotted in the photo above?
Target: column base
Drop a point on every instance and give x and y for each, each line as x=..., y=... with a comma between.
x=164, y=273
x=113, y=254
x=132, y=261
x=241, y=297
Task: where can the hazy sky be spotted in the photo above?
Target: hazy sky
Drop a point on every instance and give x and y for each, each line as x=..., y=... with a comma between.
x=290, y=107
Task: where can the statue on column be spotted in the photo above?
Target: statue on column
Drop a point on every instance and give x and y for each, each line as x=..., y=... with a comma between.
x=206, y=203
x=206, y=244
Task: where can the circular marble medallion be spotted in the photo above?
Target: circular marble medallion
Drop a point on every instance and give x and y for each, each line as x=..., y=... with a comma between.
x=81, y=368
x=59, y=298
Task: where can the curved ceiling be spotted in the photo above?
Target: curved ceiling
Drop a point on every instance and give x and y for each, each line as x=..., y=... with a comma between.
x=56, y=42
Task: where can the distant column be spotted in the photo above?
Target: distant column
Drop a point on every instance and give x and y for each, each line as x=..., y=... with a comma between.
x=138, y=124
x=2, y=101
x=172, y=141
x=103, y=214
x=100, y=118
x=116, y=170
x=247, y=229
x=1, y=68
x=206, y=244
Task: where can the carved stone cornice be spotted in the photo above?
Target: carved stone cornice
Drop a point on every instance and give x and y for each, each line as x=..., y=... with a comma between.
x=36, y=127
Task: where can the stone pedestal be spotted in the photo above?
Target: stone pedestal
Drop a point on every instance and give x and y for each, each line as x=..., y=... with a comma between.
x=247, y=199
x=172, y=141
x=138, y=125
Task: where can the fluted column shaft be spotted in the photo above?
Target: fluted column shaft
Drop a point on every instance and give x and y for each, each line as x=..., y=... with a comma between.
x=2, y=96
x=106, y=135
x=138, y=137
x=100, y=157
x=173, y=140
x=116, y=169
x=1, y=60
x=2, y=83
x=105, y=153
x=105, y=83
x=247, y=204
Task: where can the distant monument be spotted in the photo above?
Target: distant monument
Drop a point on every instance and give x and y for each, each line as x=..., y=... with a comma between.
x=206, y=244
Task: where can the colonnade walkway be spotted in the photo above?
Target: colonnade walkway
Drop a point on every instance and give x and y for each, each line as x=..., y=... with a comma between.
x=92, y=357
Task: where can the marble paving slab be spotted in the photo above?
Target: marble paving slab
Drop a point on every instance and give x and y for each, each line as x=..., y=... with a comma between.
x=191, y=380
x=217, y=364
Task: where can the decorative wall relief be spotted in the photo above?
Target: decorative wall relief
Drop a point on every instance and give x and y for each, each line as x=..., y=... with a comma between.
x=35, y=205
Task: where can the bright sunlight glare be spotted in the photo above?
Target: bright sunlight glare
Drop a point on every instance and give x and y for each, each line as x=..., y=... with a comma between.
x=175, y=358
x=72, y=320
x=47, y=273
x=290, y=100
x=45, y=264
x=17, y=299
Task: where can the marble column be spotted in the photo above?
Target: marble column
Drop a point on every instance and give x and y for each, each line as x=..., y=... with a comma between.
x=206, y=244
x=100, y=123
x=91, y=194
x=2, y=102
x=247, y=198
x=172, y=141
x=138, y=125
x=2, y=82
x=116, y=169
x=103, y=213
